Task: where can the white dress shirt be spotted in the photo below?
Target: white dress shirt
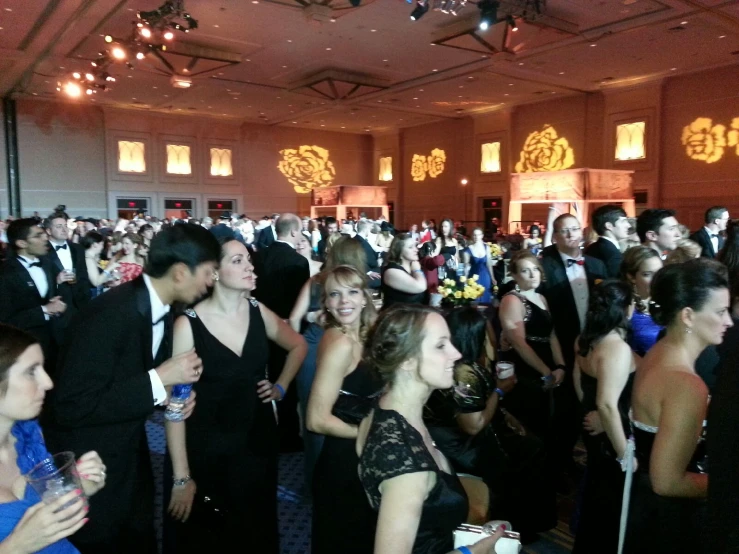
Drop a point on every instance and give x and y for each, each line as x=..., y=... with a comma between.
x=65, y=254
x=37, y=274
x=714, y=239
x=579, y=283
x=158, y=309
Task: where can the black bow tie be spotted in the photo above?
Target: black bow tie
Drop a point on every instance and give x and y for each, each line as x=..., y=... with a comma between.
x=63, y=246
x=714, y=236
x=33, y=264
x=571, y=262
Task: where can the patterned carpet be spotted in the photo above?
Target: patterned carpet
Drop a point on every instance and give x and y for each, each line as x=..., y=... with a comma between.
x=295, y=515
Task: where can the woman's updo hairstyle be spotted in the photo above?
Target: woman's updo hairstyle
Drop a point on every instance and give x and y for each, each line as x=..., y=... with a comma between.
x=396, y=337
x=686, y=285
x=608, y=309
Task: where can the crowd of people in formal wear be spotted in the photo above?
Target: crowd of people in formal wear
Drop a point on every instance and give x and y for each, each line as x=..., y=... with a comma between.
x=334, y=338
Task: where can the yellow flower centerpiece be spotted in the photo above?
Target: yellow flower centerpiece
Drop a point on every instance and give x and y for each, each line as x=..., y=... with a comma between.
x=461, y=293
x=495, y=250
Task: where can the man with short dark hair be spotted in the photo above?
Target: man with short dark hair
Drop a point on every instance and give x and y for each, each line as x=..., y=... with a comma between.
x=113, y=370
x=363, y=230
x=29, y=296
x=612, y=226
x=282, y=272
x=709, y=236
x=332, y=226
x=658, y=229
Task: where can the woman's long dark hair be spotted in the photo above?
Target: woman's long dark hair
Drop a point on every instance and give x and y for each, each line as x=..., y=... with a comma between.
x=450, y=236
x=467, y=326
x=608, y=309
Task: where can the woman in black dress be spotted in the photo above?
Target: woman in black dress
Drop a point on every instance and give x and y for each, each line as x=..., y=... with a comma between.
x=539, y=365
x=403, y=280
x=669, y=405
x=341, y=396
x=224, y=457
x=448, y=247
x=603, y=377
x=419, y=499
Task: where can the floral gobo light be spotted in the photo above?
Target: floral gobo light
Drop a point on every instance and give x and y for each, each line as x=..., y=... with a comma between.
x=545, y=151
x=307, y=168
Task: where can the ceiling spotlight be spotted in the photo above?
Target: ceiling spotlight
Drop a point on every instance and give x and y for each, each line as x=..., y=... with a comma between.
x=70, y=88
x=464, y=181
x=488, y=13
x=168, y=35
x=118, y=53
x=421, y=8
x=76, y=75
x=89, y=76
x=145, y=32
x=512, y=22
x=89, y=91
x=140, y=55
x=108, y=39
x=181, y=81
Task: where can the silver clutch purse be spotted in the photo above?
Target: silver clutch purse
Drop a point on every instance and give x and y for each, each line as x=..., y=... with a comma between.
x=509, y=543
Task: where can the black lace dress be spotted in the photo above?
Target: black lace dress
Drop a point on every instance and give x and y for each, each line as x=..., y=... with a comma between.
x=394, y=447
x=342, y=518
x=600, y=510
x=528, y=401
x=232, y=449
x=660, y=524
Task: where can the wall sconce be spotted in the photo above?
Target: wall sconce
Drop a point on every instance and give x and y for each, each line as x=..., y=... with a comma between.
x=220, y=162
x=131, y=157
x=464, y=182
x=386, y=169
x=490, y=159
x=178, y=159
x=630, y=141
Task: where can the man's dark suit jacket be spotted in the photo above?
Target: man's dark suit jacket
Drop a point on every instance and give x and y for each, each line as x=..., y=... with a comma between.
x=604, y=250
x=20, y=302
x=266, y=238
x=282, y=272
x=75, y=296
x=722, y=529
x=558, y=292
x=702, y=238
x=369, y=252
x=101, y=402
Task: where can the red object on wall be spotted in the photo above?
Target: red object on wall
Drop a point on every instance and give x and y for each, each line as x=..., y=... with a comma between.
x=219, y=205
x=132, y=204
x=178, y=204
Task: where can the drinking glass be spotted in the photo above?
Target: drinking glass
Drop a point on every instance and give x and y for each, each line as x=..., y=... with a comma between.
x=73, y=274
x=56, y=476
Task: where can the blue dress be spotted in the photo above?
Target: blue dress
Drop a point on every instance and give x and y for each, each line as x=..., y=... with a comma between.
x=31, y=450
x=479, y=267
x=644, y=332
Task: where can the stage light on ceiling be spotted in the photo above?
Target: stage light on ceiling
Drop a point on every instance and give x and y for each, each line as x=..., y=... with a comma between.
x=181, y=81
x=118, y=53
x=140, y=55
x=488, y=13
x=76, y=75
x=89, y=76
x=145, y=32
x=168, y=35
x=108, y=39
x=418, y=12
x=70, y=88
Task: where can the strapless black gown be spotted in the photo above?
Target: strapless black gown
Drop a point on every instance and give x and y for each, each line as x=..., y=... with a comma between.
x=598, y=526
x=342, y=518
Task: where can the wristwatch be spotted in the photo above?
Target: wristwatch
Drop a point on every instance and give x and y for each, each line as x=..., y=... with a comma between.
x=501, y=394
x=182, y=481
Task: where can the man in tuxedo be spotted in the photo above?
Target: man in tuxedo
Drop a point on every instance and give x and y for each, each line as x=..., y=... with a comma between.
x=658, y=229
x=268, y=234
x=112, y=372
x=569, y=278
x=282, y=272
x=332, y=227
x=373, y=275
x=709, y=237
x=66, y=257
x=611, y=223
x=29, y=298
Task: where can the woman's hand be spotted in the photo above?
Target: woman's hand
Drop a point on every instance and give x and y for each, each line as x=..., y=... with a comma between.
x=268, y=392
x=559, y=376
x=487, y=545
x=180, y=505
x=415, y=265
x=44, y=524
x=92, y=470
x=506, y=385
x=592, y=424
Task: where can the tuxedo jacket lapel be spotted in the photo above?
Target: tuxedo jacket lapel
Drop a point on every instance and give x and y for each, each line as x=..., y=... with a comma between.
x=143, y=307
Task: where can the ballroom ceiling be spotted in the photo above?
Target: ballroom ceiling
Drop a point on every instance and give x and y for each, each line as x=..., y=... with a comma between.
x=372, y=69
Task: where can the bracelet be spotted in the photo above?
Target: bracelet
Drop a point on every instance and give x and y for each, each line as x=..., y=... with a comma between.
x=501, y=394
x=279, y=388
x=464, y=550
x=182, y=481
x=417, y=271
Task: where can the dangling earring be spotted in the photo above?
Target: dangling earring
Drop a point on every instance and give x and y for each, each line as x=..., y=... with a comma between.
x=215, y=277
x=688, y=329
x=517, y=288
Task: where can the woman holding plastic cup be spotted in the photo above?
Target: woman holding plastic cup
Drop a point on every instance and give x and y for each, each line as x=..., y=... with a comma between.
x=28, y=524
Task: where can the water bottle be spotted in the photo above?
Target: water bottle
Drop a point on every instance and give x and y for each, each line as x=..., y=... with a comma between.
x=460, y=271
x=180, y=393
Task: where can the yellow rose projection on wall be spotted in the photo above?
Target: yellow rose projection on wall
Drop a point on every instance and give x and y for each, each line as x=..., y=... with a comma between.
x=545, y=151
x=704, y=141
x=733, y=135
x=419, y=167
x=432, y=165
x=307, y=168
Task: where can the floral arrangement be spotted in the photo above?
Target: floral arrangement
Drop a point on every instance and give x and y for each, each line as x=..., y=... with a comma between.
x=462, y=292
x=495, y=250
